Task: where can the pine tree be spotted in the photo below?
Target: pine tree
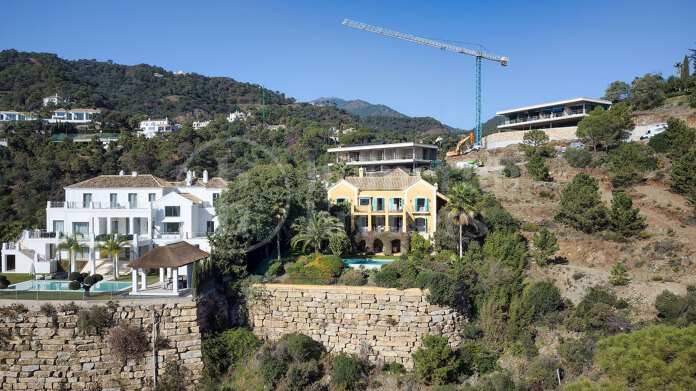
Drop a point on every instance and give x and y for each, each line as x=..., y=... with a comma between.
x=537, y=167
x=546, y=245
x=684, y=177
x=619, y=275
x=581, y=205
x=623, y=217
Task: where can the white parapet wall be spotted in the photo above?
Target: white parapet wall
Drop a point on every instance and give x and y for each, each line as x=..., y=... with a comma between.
x=503, y=139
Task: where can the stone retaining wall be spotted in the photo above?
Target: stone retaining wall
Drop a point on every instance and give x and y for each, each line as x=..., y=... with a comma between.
x=381, y=324
x=47, y=353
x=505, y=138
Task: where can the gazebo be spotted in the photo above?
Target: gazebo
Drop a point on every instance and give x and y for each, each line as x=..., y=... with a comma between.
x=170, y=258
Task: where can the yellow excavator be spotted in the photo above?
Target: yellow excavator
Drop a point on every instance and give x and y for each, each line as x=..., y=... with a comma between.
x=458, y=150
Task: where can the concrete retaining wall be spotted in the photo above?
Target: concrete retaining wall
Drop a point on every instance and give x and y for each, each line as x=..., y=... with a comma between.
x=503, y=139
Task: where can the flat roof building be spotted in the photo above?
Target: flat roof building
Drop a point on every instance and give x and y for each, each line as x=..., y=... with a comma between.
x=379, y=157
x=558, y=114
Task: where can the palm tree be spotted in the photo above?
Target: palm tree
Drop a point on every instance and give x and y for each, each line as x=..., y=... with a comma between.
x=112, y=245
x=341, y=170
x=462, y=207
x=279, y=219
x=72, y=245
x=316, y=230
x=678, y=66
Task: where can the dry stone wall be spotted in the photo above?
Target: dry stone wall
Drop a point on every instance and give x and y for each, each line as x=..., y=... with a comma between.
x=48, y=353
x=381, y=324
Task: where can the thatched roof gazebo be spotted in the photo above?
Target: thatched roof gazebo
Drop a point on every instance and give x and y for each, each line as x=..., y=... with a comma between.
x=170, y=257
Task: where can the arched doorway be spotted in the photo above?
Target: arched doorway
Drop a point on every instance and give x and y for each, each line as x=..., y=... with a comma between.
x=377, y=246
x=362, y=246
x=396, y=246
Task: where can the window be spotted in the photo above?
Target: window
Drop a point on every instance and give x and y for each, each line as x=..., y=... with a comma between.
x=114, y=226
x=364, y=201
x=421, y=224
x=209, y=227
x=421, y=204
x=151, y=197
x=378, y=204
x=58, y=225
x=171, y=228
x=215, y=197
x=82, y=228
x=396, y=204
x=86, y=199
x=113, y=199
x=136, y=225
x=339, y=200
x=133, y=200
x=172, y=211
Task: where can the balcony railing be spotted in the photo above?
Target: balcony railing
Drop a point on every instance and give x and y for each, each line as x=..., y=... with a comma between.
x=387, y=158
x=97, y=205
x=419, y=209
x=543, y=116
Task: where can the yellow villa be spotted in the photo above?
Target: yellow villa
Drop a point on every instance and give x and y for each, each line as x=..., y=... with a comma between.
x=387, y=208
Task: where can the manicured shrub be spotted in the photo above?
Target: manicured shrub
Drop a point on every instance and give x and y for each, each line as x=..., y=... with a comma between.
x=354, y=277
x=349, y=372
x=301, y=347
x=444, y=289
x=541, y=374
x=435, y=363
x=225, y=349
x=4, y=282
x=578, y=157
x=127, y=341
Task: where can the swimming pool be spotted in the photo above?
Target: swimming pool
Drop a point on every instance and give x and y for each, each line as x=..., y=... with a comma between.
x=366, y=263
x=102, y=286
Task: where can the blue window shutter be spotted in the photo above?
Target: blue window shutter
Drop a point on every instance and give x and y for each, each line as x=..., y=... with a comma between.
x=391, y=204
x=374, y=204
x=426, y=220
x=427, y=209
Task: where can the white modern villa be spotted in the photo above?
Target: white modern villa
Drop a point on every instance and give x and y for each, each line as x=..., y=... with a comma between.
x=149, y=210
x=6, y=116
x=380, y=157
x=151, y=127
x=558, y=114
x=56, y=100
x=73, y=116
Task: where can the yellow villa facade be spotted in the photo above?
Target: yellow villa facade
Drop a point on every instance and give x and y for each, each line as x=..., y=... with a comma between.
x=393, y=202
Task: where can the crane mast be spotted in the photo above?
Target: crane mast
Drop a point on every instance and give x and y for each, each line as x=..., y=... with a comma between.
x=478, y=54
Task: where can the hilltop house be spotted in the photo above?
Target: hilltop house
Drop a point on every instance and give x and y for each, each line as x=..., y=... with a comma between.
x=559, y=114
x=380, y=157
x=75, y=116
x=200, y=124
x=237, y=115
x=387, y=208
x=149, y=210
x=151, y=127
x=6, y=116
x=56, y=100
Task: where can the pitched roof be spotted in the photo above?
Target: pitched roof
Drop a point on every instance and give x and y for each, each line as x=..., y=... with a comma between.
x=387, y=182
x=191, y=197
x=213, y=183
x=172, y=255
x=114, y=181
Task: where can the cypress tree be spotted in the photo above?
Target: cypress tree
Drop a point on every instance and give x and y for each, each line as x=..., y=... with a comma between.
x=686, y=71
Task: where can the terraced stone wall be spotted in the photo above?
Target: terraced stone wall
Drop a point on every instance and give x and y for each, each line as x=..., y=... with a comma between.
x=384, y=325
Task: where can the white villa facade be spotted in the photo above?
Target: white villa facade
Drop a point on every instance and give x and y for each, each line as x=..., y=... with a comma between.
x=200, y=124
x=74, y=116
x=558, y=114
x=56, y=100
x=151, y=127
x=149, y=210
x=237, y=115
x=6, y=116
x=380, y=157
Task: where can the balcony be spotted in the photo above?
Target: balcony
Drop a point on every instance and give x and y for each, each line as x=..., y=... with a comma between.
x=419, y=209
x=96, y=205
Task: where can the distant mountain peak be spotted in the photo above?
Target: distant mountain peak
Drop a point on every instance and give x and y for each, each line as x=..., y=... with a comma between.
x=358, y=107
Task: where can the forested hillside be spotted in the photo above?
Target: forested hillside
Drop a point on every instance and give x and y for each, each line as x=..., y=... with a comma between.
x=359, y=107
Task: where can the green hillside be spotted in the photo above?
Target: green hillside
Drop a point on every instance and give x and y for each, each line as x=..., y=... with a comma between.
x=359, y=107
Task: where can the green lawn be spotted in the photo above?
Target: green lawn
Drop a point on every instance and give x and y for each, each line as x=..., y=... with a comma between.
x=15, y=278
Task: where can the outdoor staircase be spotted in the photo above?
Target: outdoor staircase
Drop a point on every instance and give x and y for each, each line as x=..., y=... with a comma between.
x=106, y=268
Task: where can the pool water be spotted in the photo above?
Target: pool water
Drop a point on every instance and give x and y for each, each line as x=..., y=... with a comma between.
x=102, y=286
x=366, y=263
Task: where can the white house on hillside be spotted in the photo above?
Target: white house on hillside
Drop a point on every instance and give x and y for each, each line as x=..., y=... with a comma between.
x=151, y=127
x=75, y=116
x=237, y=115
x=6, y=116
x=200, y=124
x=149, y=210
x=56, y=100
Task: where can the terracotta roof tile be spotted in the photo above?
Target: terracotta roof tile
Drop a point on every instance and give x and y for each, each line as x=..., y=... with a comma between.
x=191, y=197
x=213, y=183
x=115, y=181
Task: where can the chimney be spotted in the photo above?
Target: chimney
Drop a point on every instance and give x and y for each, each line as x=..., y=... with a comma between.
x=134, y=174
x=361, y=172
x=189, y=179
x=194, y=174
x=121, y=173
x=205, y=176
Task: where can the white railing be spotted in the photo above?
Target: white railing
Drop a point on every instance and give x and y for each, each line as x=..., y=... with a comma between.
x=97, y=205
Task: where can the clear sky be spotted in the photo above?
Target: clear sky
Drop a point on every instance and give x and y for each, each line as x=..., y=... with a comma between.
x=557, y=49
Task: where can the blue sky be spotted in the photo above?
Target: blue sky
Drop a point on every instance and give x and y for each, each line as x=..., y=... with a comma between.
x=557, y=49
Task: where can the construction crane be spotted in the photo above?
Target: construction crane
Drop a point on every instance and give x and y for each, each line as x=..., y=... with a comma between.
x=479, y=54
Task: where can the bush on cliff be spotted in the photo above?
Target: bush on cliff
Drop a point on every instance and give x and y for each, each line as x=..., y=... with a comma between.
x=226, y=349
x=435, y=363
x=350, y=372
